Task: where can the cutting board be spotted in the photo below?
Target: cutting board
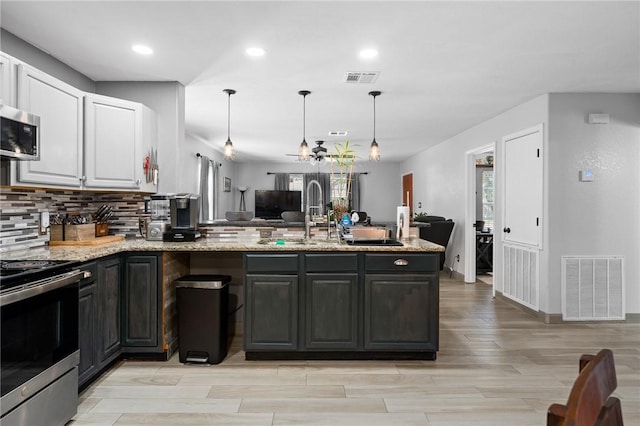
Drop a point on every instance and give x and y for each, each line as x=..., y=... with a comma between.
x=94, y=242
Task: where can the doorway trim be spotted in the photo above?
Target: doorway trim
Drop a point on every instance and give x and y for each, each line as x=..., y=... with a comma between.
x=470, y=213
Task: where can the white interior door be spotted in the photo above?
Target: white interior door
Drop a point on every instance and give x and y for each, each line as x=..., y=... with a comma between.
x=523, y=188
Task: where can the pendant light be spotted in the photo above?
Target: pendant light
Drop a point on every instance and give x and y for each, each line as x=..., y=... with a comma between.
x=228, y=145
x=374, y=151
x=303, y=151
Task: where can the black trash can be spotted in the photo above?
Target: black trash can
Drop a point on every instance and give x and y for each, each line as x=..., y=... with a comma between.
x=202, y=318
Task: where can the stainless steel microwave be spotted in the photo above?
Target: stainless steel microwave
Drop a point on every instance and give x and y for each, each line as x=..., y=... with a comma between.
x=20, y=137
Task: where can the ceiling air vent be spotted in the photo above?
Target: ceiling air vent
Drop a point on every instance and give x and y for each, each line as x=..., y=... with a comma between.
x=361, y=77
x=338, y=133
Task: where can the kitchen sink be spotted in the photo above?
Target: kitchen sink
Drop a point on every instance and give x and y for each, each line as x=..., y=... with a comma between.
x=374, y=242
x=286, y=242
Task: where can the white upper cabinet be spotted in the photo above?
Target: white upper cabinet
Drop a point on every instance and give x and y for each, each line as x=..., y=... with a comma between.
x=87, y=141
x=59, y=107
x=117, y=140
x=7, y=80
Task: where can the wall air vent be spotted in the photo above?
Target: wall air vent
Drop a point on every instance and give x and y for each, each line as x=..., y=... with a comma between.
x=338, y=133
x=593, y=288
x=361, y=77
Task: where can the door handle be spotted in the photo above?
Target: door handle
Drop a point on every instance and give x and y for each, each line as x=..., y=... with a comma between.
x=507, y=230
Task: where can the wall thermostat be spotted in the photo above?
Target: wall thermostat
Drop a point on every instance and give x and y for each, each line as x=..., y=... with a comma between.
x=585, y=176
x=598, y=118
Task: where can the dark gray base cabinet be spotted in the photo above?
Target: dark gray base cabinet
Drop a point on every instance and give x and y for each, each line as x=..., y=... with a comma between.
x=345, y=306
x=399, y=312
x=109, y=311
x=119, y=311
x=271, y=320
x=331, y=311
x=141, y=304
x=88, y=326
x=99, y=318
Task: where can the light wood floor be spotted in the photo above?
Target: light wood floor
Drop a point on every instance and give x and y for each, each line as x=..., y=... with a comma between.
x=496, y=366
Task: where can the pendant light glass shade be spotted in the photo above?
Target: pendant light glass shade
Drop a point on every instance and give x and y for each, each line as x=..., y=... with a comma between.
x=374, y=150
x=303, y=152
x=228, y=145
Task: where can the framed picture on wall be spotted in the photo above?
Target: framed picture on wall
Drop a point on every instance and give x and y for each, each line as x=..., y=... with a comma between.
x=227, y=184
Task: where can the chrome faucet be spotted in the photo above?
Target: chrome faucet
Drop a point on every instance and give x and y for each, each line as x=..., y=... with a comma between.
x=307, y=215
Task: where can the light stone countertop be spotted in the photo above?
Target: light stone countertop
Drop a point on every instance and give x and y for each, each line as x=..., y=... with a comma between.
x=85, y=253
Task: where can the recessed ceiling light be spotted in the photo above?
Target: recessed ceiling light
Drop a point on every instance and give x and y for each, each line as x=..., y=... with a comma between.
x=255, y=51
x=368, y=53
x=142, y=49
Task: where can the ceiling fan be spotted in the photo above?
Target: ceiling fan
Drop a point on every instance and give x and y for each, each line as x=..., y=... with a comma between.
x=319, y=154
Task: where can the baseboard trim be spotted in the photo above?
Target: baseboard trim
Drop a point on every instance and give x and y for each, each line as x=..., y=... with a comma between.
x=525, y=309
x=447, y=272
x=557, y=318
x=632, y=318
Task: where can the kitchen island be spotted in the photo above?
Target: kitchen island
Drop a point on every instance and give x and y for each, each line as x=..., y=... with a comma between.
x=301, y=298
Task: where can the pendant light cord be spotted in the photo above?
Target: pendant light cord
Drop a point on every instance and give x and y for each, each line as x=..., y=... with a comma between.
x=374, y=118
x=229, y=117
x=304, y=117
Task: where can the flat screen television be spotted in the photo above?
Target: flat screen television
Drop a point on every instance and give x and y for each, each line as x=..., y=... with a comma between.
x=271, y=203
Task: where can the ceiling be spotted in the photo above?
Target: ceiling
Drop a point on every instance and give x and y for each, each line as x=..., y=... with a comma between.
x=444, y=66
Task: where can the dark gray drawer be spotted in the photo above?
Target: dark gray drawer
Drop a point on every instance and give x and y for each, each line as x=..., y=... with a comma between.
x=401, y=262
x=279, y=263
x=331, y=262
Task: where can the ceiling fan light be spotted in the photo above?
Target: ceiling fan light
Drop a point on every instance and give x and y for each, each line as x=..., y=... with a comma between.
x=228, y=150
x=374, y=151
x=303, y=151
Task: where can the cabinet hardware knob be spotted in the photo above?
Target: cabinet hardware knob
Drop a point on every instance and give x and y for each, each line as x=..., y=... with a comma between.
x=401, y=262
x=507, y=230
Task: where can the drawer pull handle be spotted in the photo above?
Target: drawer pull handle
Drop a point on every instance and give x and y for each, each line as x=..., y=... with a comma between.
x=401, y=262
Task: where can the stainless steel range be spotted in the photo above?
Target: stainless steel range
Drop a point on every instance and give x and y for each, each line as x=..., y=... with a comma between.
x=39, y=342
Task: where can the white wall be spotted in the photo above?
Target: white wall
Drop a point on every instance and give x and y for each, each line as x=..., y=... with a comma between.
x=35, y=57
x=596, y=219
x=381, y=188
x=439, y=179
x=602, y=217
x=167, y=100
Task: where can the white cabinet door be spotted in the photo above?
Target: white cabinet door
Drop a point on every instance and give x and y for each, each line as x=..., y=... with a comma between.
x=523, y=188
x=59, y=106
x=113, y=132
x=7, y=81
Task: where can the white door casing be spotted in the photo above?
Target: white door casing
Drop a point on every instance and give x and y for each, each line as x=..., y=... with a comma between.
x=470, y=215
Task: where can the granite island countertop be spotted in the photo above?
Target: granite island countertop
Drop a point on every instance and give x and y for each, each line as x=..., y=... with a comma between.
x=86, y=253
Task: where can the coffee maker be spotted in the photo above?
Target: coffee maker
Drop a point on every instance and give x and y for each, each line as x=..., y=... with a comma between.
x=184, y=218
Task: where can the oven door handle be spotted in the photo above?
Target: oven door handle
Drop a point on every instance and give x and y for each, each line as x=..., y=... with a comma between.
x=43, y=286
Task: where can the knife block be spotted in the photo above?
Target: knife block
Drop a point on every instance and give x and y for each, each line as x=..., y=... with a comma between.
x=102, y=229
x=73, y=232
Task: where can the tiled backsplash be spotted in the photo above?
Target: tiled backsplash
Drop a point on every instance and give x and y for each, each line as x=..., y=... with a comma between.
x=20, y=213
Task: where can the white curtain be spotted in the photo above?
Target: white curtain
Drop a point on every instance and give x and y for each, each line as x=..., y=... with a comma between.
x=208, y=190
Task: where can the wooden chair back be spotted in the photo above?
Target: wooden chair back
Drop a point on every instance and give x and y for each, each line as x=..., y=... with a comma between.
x=590, y=402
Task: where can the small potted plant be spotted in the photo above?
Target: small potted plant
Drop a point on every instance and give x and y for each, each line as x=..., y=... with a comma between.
x=420, y=216
x=342, y=161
